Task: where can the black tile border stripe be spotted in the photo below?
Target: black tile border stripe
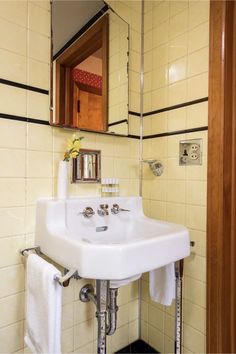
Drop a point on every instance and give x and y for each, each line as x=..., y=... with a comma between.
x=160, y=135
x=177, y=132
x=170, y=108
x=23, y=86
x=82, y=30
x=23, y=119
x=133, y=136
x=181, y=105
x=118, y=122
x=132, y=113
x=43, y=122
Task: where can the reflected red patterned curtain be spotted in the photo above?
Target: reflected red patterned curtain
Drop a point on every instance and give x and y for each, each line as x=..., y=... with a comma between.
x=87, y=78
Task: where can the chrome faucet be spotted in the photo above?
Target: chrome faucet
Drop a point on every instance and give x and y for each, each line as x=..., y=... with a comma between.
x=88, y=212
x=116, y=209
x=103, y=210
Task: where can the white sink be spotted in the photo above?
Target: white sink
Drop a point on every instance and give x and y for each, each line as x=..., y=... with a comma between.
x=131, y=244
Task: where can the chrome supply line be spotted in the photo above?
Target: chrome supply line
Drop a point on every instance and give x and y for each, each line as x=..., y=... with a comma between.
x=62, y=280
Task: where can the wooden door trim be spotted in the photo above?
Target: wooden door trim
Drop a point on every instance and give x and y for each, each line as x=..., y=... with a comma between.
x=221, y=215
x=93, y=39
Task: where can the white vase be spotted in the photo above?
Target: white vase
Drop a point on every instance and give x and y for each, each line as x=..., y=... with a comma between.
x=62, y=180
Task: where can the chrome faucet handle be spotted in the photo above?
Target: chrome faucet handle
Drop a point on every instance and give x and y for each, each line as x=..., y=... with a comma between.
x=103, y=209
x=116, y=209
x=88, y=212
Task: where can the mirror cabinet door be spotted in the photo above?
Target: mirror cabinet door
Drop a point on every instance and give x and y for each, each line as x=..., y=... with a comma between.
x=81, y=95
x=89, y=76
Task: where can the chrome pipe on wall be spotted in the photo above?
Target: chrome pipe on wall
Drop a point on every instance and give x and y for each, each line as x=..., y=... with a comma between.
x=141, y=99
x=141, y=142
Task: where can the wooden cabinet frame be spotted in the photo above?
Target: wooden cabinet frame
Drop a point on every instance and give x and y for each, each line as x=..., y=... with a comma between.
x=221, y=210
x=94, y=38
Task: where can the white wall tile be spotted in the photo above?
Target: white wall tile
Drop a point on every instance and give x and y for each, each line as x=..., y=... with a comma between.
x=14, y=11
x=10, y=250
x=12, y=309
x=38, y=188
x=12, y=191
x=12, y=338
x=38, y=74
x=38, y=19
x=38, y=47
x=16, y=138
x=12, y=280
x=39, y=164
x=12, y=221
x=15, y=41
x=13, y=100
x=13, y=66
x=12, y=162
x=38, y=106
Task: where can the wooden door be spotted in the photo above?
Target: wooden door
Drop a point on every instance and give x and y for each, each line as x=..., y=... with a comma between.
x=87, y=110
x=221, y=214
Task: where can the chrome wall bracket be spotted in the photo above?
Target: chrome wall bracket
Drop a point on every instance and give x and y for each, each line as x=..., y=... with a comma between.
x=87, y=294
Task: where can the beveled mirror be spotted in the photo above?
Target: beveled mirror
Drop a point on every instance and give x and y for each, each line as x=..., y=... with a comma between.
x=90, y=67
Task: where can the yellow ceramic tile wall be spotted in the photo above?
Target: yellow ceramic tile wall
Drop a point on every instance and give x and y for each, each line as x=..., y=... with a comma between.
x=29, y=156
x=176, y=71
x=177, y=40
x=118, y=76
x=130, y=11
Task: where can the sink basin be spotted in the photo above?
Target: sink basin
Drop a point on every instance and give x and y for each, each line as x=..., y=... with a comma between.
x=112, y=247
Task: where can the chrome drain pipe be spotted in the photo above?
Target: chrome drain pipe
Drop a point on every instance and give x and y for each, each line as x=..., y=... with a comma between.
x=112, y=311
x=102, y=290
x=105, y=301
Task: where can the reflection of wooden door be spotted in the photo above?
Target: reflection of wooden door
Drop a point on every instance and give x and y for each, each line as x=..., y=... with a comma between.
x=87, y=110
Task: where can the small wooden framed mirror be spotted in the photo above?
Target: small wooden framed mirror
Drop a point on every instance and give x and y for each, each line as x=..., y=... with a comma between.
x=81, y=87
x=87, y=167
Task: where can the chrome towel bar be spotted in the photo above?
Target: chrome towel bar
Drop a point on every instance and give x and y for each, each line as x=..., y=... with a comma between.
x=62, y=280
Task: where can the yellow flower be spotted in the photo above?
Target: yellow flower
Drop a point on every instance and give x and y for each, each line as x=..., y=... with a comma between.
x=73, y=147
x=77, y=144
x=69, y=144
x=74, y=154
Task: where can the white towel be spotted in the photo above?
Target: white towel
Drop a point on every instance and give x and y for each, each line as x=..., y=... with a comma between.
x=162, y=284
x=43, y=314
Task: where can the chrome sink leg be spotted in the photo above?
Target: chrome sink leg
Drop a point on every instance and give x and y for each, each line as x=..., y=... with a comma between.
x=179, y=267
x=102, y=287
